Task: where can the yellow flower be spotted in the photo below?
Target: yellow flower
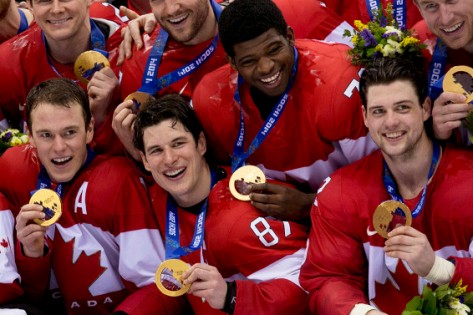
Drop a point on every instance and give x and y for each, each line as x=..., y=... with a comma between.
x=15, y=141
x=409, y=40
x=359, y=25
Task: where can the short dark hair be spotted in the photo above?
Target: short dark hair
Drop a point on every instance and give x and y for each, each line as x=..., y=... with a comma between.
x=170, y=106
x=244, y=20
x=60, y=92
x=387, y=70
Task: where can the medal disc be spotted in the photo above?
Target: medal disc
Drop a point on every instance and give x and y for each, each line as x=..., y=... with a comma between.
x=140, y=99
x=168, y=277
x=389, y=214
x=51, y=203
x=242, y=177
x=459, y=79
x=88, y=63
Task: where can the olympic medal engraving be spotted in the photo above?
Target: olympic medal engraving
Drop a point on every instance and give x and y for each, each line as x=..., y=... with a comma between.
x=51, y=203
x=389, y=214
x=168, y=277
x=241, y=180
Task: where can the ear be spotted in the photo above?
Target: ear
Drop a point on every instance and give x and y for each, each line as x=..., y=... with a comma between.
x=290, y=36
x=365, y=113
x=90, y=131
x=427, y=108
x=231, y=61
x=145, y=162
x=202, y=144
x=30, y=137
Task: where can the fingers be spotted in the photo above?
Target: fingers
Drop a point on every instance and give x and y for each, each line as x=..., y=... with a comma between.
x=29, y=233
x=130, y=14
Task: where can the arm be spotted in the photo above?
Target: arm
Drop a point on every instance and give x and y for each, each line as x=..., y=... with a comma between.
x=335, y=270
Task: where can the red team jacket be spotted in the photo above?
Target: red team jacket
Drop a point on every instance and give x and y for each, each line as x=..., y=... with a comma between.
x=346, y=256
x=324, y=102
x=105, y=245
x=261, y=253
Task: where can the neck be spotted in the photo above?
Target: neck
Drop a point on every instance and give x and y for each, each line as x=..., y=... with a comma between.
x=66, y=51
x=208, y=30
x=411, y=170
x=199, y=193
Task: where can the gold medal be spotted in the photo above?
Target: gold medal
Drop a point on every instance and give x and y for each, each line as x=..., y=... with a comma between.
x=88, y=63
x=243, y=176
x=168, y=277
x=389, y=214
x=140, y=99
x=459, y=79
x=51, y=203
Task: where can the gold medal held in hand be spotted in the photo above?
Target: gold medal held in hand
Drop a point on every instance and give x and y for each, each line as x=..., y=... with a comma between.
x=390, y=214
x=459, y=79
x=51, y=203
x=169, y=277
x=140, y=99
x=88, y=63
x=241, y=180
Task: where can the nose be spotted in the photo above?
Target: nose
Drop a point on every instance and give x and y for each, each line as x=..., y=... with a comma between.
x=391, y=120
x=446, y=14
x=171, y=7
x=59, y=144
x=265, y=65
x=56, y=6
x=169, y=156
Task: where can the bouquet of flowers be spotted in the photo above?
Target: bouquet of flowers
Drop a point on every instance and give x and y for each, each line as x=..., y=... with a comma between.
x=382, y=37
x=10, y=138
x=443, y=301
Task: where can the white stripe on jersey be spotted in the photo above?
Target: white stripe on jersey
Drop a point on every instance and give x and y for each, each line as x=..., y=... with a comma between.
x=345, y=152
x=9, y=272
x=337, y=34
x=287, y=267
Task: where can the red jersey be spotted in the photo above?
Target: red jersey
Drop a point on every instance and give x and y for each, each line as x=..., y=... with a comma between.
x=175, y=56
x=324, y=102
x=9, y=277
x=263, y=255
x=346, y=255
x=19, y=76
x=359, y=10
x=105, y=244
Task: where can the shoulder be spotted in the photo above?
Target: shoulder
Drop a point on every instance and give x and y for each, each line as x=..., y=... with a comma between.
x=222, y=80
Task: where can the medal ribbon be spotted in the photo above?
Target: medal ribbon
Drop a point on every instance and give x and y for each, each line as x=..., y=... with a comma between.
x=437, y=69
x=172, y=244
x=150, y=83
x=239, y=156
x=399, y=10
x=97, y=40
x=45, y=182
x=391, y=186
x=23, y=22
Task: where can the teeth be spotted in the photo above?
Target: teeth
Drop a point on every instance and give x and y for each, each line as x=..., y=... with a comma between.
x=174, y=173
x=393, y=134
x=58, y=21
x=62, y=160
x=179, y=19
x=271, y=79
x=453, y=28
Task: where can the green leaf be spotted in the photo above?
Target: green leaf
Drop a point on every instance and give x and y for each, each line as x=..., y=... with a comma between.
x=414, y=304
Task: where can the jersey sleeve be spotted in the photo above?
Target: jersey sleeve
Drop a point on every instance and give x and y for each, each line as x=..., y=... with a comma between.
x=9, y=276
x=335, y=270
x=268, y=253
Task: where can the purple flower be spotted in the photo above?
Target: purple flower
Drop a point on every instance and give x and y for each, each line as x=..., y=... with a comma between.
x=368, y=38
x=383, y=21
x=8, y=135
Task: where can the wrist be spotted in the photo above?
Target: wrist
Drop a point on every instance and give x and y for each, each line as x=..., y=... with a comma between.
x=441, y=272
x=230, y=298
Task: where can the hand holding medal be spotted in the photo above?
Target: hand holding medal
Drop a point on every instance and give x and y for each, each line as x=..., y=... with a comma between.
x=241, y=180
x=389, y=214
x=140, y=99
x=51, y=203
x=88, y=63
x=169, y=277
